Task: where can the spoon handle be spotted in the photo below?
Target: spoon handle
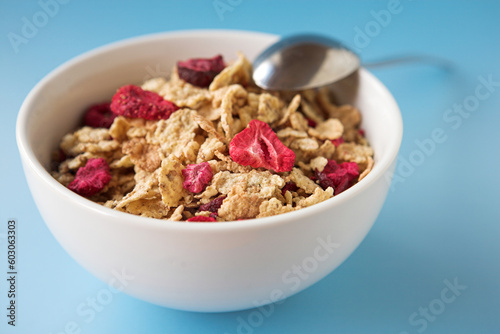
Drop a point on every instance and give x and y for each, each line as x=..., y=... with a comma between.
x=408, y=59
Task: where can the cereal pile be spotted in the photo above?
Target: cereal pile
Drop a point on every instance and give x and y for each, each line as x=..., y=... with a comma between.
x=208, y=145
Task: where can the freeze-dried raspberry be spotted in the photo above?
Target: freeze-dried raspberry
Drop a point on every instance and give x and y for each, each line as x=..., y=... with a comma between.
x=289, y=186
x=259, y=146
x=337, y=141
x=99, y=116
x=201, y=219
x=133, y=101
x=338, y=176
x=91, y=178
x=311, y=123
x=213, y=205
x=200, y=71
x=197, y=176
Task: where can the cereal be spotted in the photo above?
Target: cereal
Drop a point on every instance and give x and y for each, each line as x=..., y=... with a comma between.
x=148, y=207
x=142, y=154
x=329, y=129
x=154, y=85
x=318, y=163
x=170, y=181
x=269, y=108
x=174, y=134
x=183, y=94
x=264, y=183
x=208, y=126
x=177, y=214
x=298, y=121
x=273, y=207
x=347, y=114
x=292, y=108
x=226, y=117
x=302, y=181
x=207, y=145
x=240, y=205
x=119, y=129
x=146, y=187
x=318, y=196
x=290, y=132
x=311, y=113
x=353, y=152
x=88, y=140
x=367, y=170
x=238, y=73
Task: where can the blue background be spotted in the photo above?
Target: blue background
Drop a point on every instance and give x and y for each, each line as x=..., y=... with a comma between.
x=441, y=221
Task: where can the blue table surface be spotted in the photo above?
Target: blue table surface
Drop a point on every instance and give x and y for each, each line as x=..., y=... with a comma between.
x=431, y=263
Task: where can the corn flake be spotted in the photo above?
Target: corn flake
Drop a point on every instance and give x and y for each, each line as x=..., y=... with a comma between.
x=273, y=207
x=329, y=129
x=170, y=181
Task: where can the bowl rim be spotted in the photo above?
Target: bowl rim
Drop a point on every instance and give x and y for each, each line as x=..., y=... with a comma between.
x=30, y=160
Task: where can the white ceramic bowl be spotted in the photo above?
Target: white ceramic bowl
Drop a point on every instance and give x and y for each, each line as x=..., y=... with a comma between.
x=195, y=266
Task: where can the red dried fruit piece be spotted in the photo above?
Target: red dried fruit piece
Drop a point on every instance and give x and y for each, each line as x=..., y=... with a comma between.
x=338, y=176
x=133, y=101
x=259, y=146
x=213, y=205
x=200, y=71
x=91, y=178
x=201, y=219
x=311, y=123
x=337, y=141
x=197, y=176
x=361, y=132
x=99, y=116
x=289, y=186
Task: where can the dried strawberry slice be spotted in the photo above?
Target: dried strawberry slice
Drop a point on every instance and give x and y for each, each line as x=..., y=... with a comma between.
x=201, y=219
x=197, y=176
x=200, y=71
x=259, y=146
x=99, y=116
x=133, y=101
x=337, y=141
x=91, y=178
x=213, y=205
x=338, y=176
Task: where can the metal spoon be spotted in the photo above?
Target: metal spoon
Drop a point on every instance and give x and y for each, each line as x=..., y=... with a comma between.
x=304, y=61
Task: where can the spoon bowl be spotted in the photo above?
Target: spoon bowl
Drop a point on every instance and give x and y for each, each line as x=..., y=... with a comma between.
x=304, y=61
